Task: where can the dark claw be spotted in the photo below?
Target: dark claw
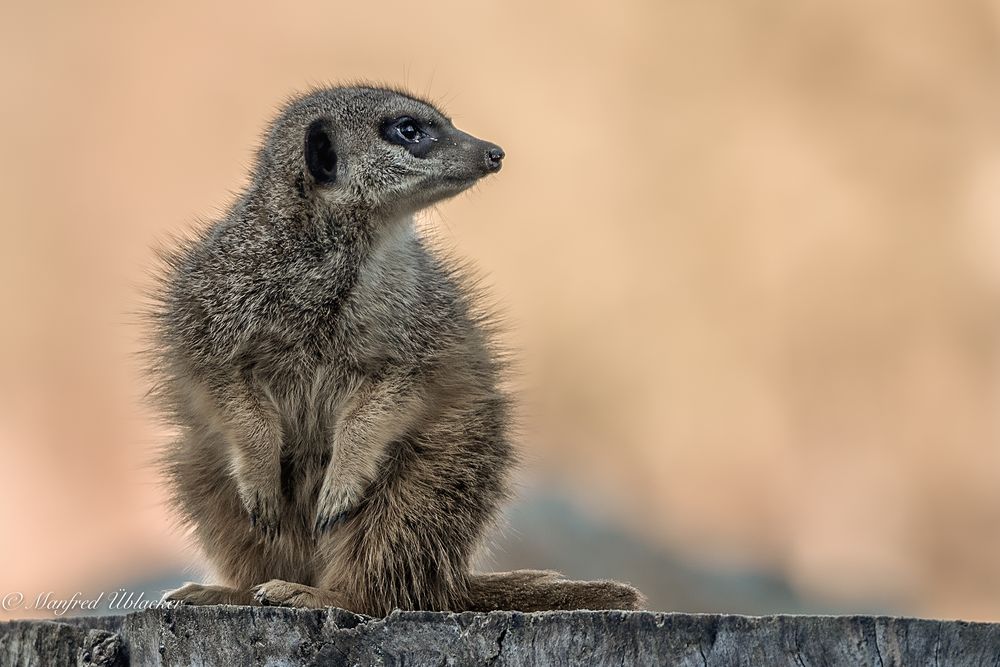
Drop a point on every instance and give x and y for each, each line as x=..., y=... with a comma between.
x=270, y=530
x=256, y=521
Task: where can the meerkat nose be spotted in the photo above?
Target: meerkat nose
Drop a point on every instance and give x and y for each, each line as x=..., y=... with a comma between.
x=494, y=158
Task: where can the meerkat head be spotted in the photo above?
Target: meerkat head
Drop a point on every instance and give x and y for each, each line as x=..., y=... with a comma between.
x=369, y=151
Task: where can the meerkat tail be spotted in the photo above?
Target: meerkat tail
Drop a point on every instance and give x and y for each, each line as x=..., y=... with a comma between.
x=545, y=590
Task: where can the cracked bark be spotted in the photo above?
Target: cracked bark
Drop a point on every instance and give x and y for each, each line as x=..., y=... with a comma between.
x=226, y=635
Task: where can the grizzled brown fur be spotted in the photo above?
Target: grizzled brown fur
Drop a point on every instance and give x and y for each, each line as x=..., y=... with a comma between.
x=342, y=435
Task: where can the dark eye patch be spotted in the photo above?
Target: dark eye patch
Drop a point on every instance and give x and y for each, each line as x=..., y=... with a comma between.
x=416, y=136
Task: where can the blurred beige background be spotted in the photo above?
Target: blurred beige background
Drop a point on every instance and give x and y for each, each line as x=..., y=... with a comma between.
x=750, y=253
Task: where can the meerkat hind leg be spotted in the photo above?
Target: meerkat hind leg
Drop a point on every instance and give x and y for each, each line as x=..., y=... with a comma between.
x=199, y=594
x=289, y=594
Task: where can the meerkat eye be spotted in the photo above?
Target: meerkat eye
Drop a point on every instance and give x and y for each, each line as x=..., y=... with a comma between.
x=409, y=132
x=403, y=131
x=418, y=137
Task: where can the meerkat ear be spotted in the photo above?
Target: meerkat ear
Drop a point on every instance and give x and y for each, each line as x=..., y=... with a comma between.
x=321, y=157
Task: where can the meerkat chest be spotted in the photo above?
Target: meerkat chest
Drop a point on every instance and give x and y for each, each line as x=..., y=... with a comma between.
x=310, y=401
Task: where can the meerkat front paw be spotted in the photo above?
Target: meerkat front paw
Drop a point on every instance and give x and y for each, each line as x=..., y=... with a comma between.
x=263, y=506
x=337, y=502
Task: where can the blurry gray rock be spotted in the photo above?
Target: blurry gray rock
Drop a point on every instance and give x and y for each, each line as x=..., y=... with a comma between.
x=279, y=636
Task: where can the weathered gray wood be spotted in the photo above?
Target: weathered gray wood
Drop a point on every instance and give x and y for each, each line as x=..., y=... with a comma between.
x=277, y=636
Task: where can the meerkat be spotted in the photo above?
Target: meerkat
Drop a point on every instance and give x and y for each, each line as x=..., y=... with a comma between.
x=342, y=433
